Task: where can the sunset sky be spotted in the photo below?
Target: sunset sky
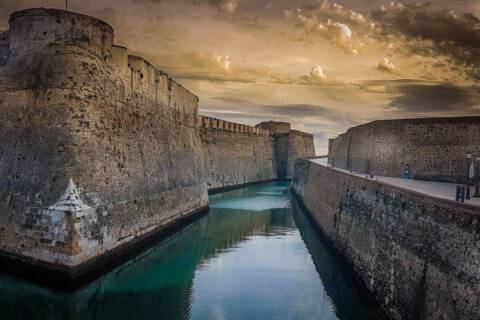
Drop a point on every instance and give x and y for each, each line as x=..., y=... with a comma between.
x=322, y=65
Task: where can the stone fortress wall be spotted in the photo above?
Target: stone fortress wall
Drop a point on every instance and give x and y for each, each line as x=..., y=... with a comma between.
x=73, y=106
x=289, y=145
x=99, y=148
x=433, y=148
x=300, y=145
x=205, y=122
x=418, y=255
x=237, y=154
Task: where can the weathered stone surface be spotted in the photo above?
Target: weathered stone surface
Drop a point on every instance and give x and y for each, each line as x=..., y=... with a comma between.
x=126, y=135
x=434, y=149
x=288, y=146
x=300, y=145
x=418, y=255
x=237, y=154
x=75, y=106
x=275, y=127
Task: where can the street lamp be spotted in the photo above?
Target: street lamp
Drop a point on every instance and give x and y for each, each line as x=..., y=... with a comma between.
x=477, y=178
x=469, y=174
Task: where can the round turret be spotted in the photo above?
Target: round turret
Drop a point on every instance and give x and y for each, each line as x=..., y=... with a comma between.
x=40, y=26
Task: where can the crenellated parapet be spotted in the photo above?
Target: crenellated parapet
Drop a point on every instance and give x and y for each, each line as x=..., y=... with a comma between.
x=38, y=27
x=237, y=154
x=275, y=127
x=50, y=48
x=219, y=124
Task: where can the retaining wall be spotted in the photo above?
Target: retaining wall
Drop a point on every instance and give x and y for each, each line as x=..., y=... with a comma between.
x=418, y=255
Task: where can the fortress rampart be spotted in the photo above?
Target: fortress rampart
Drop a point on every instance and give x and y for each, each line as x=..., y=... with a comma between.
x=123, y=132
x=431, y=148
x=300, y=145
x=239, y=154
x=236, y=154
x=418, y=255
x=38, y=27
x=100, y=150
x=227, y=126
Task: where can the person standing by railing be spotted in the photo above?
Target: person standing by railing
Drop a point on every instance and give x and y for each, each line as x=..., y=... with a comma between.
x=407, y=172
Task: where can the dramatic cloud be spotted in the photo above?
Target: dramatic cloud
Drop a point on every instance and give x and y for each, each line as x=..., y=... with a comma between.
x=423, y=20
x=414, y=98
x=321, y=121
x=317, y=75
x=386, y=65
x=342, y=27
x=228, y=6
x=207, y=60
x=337, y=33
x=430, y=31
x=325, y=10
x=207, y=66
x=424, y=99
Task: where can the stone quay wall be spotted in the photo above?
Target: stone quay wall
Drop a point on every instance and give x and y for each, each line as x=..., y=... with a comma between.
x=432, y=148
x=75, y=107
x=99, y=149
x=418, y=255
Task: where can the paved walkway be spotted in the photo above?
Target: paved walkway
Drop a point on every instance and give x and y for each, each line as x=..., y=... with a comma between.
x=442, y=190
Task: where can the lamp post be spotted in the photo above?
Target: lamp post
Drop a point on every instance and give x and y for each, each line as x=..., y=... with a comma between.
x=469, y=164
x=477, y=178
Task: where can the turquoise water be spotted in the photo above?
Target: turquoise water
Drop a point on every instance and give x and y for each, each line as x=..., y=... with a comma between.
x=255, y=256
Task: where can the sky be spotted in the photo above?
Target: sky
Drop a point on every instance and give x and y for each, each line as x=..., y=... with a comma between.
x=322, y=65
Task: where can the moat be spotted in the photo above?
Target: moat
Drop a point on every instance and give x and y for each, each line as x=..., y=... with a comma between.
x=254, y=256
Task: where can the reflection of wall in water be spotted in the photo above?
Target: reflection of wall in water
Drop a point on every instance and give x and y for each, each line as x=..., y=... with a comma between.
x=163, y=273
x=334, y=273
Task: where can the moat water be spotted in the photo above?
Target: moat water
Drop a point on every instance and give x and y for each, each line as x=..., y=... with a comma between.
x=255, y=256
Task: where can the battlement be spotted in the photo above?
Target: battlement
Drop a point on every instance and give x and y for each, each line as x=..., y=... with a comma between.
x=37, y=37
x=40, y=26
x=275, y=127
x=119, y=57
x=208, y=122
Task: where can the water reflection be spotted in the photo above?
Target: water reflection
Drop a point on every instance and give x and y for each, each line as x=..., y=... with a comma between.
x=245, y=260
